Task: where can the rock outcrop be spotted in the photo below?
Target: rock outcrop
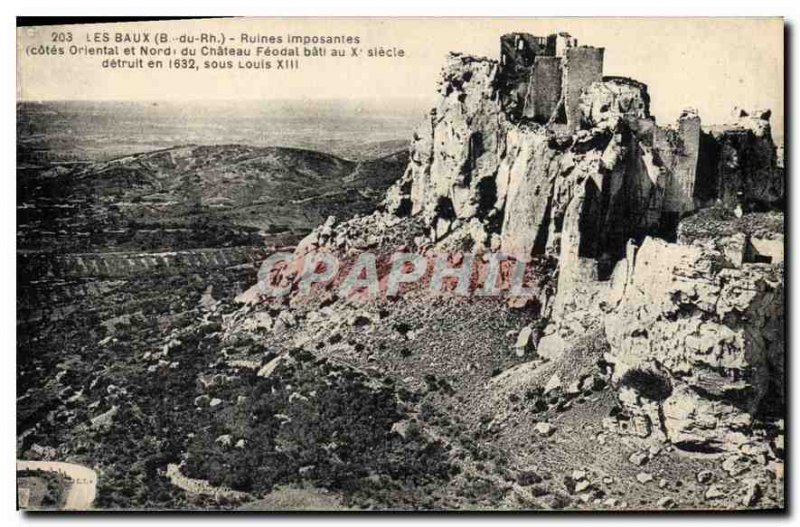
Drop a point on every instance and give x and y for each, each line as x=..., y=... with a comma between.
x=539, y=155
x=696, y=341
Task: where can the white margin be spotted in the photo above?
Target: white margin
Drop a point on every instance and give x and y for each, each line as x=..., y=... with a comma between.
x=326, y=8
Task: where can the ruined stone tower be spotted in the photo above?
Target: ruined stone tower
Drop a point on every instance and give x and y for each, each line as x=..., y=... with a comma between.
x=541, y=78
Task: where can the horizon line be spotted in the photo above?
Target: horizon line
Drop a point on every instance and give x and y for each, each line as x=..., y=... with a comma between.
x=286, y=99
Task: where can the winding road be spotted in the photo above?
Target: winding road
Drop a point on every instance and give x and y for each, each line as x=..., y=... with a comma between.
x=84, y=481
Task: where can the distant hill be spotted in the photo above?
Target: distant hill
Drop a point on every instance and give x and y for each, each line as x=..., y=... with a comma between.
x=369, y=150
x=196, y=196
x=90, y=131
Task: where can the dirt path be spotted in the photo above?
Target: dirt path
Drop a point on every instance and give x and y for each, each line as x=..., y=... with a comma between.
x=84, y=481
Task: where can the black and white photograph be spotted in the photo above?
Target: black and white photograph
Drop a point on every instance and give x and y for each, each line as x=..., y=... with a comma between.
x=401, y=264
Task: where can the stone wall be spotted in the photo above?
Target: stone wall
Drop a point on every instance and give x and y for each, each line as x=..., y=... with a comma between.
x=201, y=486
x=544, y=91
x=680, y=148
x=583, y=65
x=558, y=43
x=744, y=162
x=613, y=98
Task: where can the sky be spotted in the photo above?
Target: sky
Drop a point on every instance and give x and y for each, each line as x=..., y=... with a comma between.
x=705, y=63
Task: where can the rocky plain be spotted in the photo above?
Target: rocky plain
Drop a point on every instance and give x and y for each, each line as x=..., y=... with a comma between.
x=643, y=370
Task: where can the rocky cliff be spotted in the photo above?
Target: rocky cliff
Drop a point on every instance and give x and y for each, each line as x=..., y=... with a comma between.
x=540, y=157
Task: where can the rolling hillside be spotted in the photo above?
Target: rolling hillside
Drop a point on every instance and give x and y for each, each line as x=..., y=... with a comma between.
x=195, y=196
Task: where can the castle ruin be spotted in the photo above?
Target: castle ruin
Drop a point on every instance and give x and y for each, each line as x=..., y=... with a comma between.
x=543, y=77
x=540, y=153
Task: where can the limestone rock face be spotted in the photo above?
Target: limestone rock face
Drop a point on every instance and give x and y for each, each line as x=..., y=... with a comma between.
x=601, y=193
x=695, y=341
x=526, y=178
x=695, y=328
x=458, y=149
x=613, y=98
x=483, y=168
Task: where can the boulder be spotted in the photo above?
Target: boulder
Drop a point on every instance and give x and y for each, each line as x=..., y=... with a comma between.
x=545, y=429
x=526, y=340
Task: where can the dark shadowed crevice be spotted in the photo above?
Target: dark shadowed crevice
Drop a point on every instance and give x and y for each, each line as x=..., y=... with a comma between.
x=487, y=196
x=476, y=148
x=648, y=384
x=560, y=115
x=772, y=405
x=540, y=243
x=668, y=226
x=707, y=180
x=751, y=255
x=697, y=447
x=444, y=208
x=587, y=223
x=475, y=151
x=404, y=208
